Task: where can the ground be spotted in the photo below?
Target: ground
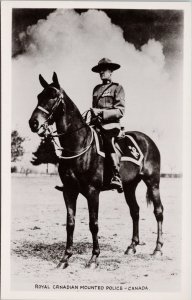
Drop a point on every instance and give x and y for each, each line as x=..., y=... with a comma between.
x=38, y=234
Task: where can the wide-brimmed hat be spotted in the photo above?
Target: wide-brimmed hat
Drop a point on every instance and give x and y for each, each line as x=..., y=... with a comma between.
x=105, y=63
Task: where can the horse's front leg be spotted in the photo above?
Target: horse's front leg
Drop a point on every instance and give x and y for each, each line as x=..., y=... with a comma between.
x=70, y=194
x=93, y=205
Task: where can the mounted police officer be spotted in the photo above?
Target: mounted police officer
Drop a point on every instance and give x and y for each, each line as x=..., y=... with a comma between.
x=109, y=106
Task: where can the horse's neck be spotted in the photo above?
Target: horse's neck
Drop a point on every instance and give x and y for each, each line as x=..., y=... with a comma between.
x=72, y=124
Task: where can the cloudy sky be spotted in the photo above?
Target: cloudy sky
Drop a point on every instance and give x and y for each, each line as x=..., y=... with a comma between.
x=148, y=44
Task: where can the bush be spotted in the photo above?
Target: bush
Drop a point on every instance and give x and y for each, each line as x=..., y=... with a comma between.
x=14, y=169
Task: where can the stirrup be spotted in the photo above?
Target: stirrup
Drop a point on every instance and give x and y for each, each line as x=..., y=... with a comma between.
x=116, y=184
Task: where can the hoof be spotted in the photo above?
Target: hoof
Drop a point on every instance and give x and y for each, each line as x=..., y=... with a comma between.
x=130, y=251
x=157, y=253
x=59, y=265
x=64, y=263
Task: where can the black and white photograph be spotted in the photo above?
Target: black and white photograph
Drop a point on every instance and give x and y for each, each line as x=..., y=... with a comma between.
x=96, y=155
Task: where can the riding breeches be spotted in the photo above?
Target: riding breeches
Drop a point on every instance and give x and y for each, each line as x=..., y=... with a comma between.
x=107, y=139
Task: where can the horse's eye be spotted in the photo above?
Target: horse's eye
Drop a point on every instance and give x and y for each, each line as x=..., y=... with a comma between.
x=54, y=94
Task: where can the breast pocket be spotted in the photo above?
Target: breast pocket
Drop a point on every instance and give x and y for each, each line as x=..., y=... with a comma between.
x=108, y=102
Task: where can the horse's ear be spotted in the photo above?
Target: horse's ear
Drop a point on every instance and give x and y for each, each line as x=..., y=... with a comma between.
x=55, y=80
x=43, y=82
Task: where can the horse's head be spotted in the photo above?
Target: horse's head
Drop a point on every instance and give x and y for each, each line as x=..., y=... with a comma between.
x=48, y=103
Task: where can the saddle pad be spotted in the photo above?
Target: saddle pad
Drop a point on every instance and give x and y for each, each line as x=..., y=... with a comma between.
x=130, y=150
x=127, y=146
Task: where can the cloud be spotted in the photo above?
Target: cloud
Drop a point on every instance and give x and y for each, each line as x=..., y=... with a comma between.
x=71, y=44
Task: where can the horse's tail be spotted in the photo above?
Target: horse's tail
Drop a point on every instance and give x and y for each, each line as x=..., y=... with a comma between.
x=148, y=197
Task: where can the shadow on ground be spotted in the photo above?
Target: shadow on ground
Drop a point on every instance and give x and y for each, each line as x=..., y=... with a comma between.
x=53, y=252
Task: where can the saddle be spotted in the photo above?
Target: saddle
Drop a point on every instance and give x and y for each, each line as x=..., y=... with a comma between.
x=126, y=149
x=125, y=145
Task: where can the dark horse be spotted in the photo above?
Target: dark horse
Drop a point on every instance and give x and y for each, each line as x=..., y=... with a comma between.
x=82, y=170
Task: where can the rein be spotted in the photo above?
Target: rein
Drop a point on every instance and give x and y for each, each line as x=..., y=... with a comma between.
x=70, y=132
x=76, y=155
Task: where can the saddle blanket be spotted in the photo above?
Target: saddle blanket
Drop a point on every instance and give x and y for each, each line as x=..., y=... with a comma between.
x=127, y=146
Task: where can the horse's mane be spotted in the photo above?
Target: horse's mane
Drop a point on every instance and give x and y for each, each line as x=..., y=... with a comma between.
x=70, y=105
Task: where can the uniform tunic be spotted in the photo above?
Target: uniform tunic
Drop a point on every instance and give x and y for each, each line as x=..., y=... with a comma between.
x=110, y=100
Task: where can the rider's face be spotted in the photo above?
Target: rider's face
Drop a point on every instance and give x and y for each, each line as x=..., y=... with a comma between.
x=105, y=74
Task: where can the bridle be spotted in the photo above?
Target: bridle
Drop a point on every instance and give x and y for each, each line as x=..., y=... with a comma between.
x=50, y=120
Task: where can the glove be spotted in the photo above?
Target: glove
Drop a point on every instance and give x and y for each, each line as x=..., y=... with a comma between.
x=97, y=112
x=97, y=115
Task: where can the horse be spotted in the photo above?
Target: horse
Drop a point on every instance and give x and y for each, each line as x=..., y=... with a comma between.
x=81, y=169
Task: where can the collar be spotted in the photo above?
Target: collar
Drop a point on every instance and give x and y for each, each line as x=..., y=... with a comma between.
x=106, y=82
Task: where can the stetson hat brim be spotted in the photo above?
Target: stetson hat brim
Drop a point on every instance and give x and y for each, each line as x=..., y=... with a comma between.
x=105, y=64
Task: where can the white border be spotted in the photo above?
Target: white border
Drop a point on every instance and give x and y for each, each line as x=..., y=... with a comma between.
x=5, y=151
x=186, y=193
x=95, y=4
x=6, y=293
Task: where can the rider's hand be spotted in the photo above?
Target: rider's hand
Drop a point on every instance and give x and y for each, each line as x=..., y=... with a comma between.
x=97, y=115
x=96, y=112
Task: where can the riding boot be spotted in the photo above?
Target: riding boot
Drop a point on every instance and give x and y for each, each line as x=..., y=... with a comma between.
x=115, y=180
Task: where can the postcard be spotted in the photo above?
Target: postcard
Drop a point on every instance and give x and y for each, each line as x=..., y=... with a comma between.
x=96, y=150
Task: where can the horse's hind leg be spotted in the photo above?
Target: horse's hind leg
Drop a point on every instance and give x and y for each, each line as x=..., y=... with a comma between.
x=70, y=196
x=129, y=191
x=93, y=205
x=153, y=195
